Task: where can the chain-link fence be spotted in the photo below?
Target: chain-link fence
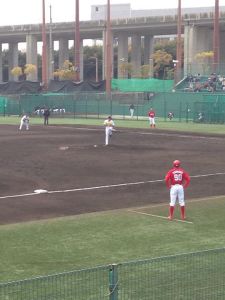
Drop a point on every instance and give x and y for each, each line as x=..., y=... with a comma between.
x=185, y=107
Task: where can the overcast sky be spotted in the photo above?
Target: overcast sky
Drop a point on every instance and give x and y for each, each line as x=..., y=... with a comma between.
x=14, y=12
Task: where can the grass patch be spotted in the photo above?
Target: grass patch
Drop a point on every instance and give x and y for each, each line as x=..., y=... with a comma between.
x=51, y=246
x=161, y=124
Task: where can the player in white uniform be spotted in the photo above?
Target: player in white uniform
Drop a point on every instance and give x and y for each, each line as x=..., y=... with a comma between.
x=109, y=128
x=24, y=122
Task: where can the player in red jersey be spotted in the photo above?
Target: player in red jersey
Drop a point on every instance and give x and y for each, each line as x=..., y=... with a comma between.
x=151, y=117
x=176, y=180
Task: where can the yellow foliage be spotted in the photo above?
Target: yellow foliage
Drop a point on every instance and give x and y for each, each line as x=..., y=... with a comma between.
x=205, y=55
x=67, y=71
x=17, y=71
x=29, y=69
x=64, y=74
x=67, y=65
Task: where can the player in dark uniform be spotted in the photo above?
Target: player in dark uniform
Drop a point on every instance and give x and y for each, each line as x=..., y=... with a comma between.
x=46, y=115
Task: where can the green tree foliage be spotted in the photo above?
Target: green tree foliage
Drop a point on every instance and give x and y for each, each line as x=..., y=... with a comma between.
x=162, y=67
x=167, y=46
x=88, y=62
x=162, y=63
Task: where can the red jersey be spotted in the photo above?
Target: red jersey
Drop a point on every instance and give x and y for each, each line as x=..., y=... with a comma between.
x=151, y=114
x=177, y=176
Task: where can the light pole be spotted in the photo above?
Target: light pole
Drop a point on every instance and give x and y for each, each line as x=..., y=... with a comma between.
x=175, y=63
x=96, y=67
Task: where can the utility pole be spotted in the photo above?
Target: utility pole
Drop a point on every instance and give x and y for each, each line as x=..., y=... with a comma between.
x=77, y=43
x=51, y=56
x=96, y=68
x=108, y=53
x=179, y=44
x=216, y=39
x=44, y=54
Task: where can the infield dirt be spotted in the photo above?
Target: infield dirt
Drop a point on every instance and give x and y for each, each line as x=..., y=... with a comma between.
x=64, y=161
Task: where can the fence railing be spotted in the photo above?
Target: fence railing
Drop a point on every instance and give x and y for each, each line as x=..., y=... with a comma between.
x=191, y=276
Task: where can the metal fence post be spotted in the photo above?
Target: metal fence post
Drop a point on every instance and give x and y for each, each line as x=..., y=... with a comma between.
x=4, y=109
x=113, y=282
x=98, y=107
x=187, y=112
x=180, y=111
x=86, y=106
x=165, y=108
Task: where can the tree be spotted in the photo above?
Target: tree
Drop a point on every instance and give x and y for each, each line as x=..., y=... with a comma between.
x=167, y=46
x=22, y=72
x=162, y=62
x=145, y=71
x=17, y=71
x=67, y=72
x=126, y=68
x=29, y=69
x=89, y=66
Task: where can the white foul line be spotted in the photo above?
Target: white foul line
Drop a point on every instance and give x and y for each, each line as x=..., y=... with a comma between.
x=157, y=216
x=179, y=135
x=104, y=186
x=20, y=195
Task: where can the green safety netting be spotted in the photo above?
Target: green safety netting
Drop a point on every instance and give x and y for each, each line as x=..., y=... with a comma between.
x=3, y=104
x=142, y=85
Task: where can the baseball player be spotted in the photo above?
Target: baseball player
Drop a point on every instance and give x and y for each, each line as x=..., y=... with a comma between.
x=24, y=122
x=151, y=117
x=109, y=128
x=131, y=109
x=176, y=180
x=46, y=115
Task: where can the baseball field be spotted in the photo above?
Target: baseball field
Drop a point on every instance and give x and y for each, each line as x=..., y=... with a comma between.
x=68, y=202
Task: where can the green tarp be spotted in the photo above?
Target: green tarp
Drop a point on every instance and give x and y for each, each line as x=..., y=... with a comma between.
x=142, y=85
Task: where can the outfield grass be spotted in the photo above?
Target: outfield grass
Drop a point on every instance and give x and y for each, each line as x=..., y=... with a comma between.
x=46, y=247
x=161, y=124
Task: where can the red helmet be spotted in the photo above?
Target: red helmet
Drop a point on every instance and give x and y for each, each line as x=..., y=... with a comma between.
x=176, y=163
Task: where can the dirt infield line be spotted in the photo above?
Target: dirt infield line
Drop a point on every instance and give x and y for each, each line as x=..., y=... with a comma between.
x=103, y=186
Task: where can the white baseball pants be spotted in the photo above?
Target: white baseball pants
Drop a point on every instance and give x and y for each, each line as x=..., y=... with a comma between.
x=108, y=133
x=177, y=193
